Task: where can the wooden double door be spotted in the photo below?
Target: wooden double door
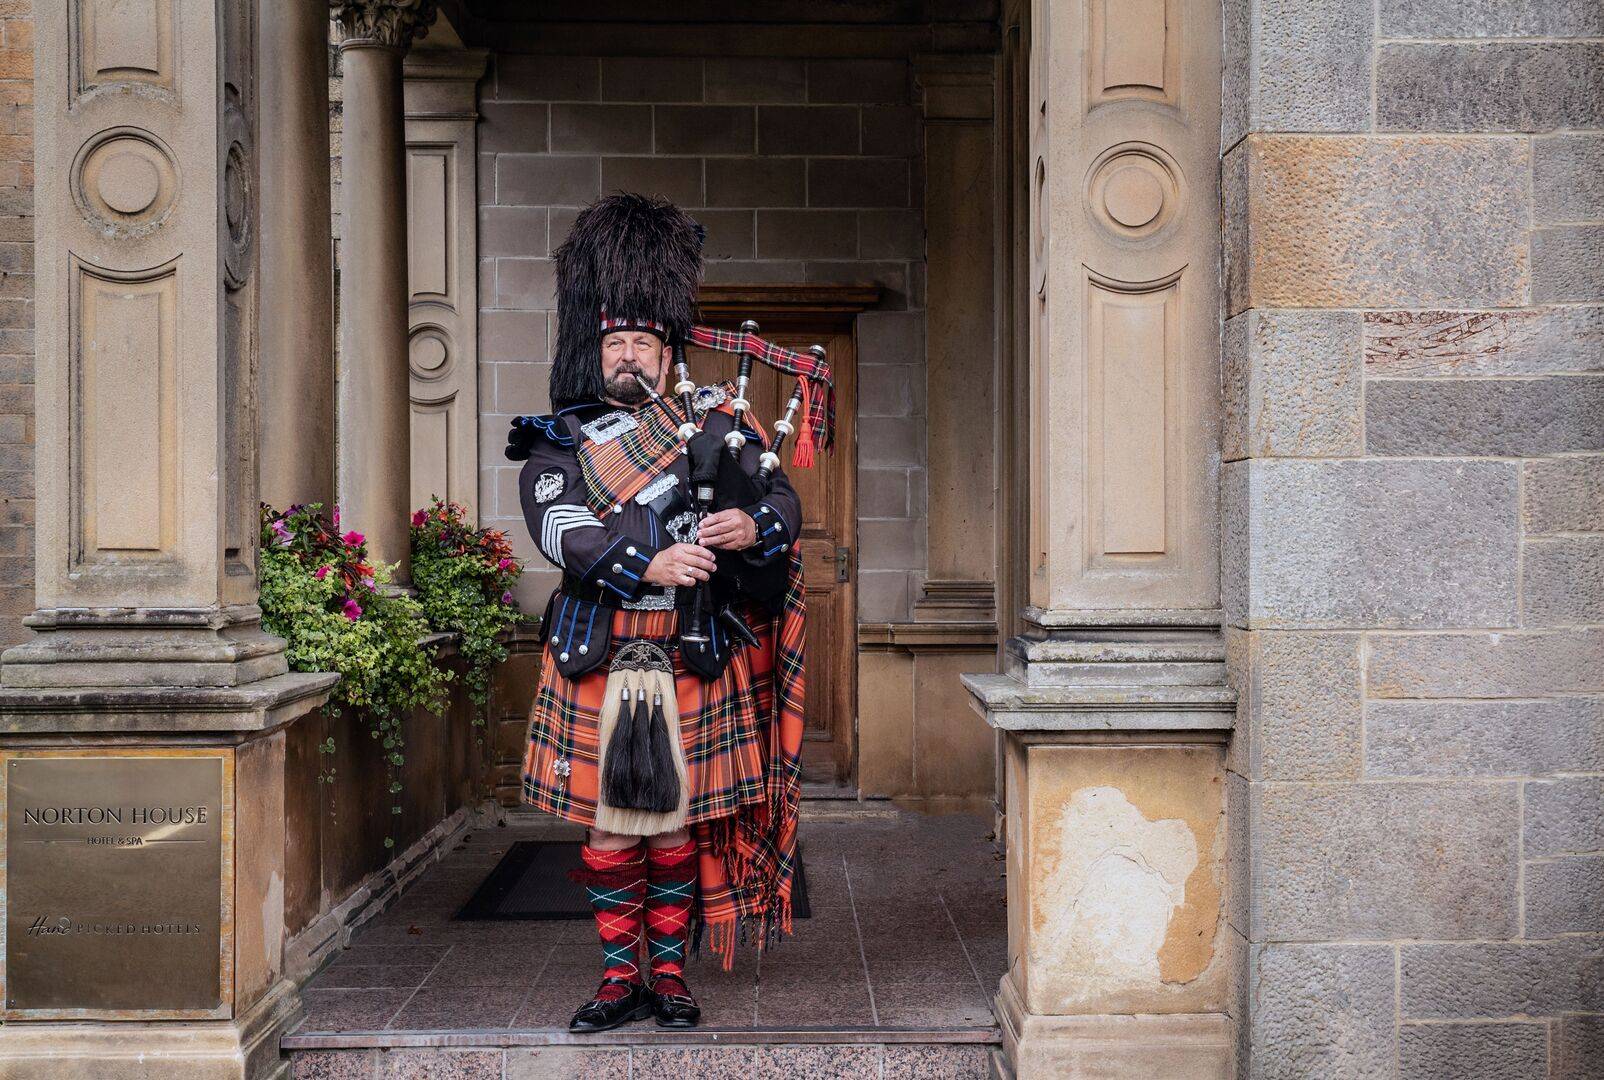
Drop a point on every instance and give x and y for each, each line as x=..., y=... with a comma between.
x=799, y=317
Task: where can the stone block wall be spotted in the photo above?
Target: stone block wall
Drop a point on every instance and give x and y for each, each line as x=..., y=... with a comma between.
x=16, y=318
x=1414, y=536
x=802, y=170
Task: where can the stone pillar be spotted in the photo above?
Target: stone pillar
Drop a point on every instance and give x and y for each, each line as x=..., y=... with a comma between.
x=142, y=732
x=146, y=303
x=373, y=458
x=297, y=312
x=1113, y=708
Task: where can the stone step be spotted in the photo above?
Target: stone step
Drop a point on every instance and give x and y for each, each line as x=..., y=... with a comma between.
x=1129, y=657
x=643, y=1050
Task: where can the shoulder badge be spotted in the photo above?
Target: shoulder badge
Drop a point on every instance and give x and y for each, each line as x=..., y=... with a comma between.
x=548, y=485
x=609, y=427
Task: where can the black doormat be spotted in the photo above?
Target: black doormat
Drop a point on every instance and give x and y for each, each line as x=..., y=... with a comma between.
x=531, y=882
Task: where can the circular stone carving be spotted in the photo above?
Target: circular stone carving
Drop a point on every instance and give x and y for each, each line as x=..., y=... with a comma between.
x=128, y=182
x=1133, y=190
x=428, y=352
x=1133, y=197
x=125, y=181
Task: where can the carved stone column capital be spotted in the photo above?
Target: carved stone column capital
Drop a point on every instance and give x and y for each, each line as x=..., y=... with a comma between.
x=386, y=23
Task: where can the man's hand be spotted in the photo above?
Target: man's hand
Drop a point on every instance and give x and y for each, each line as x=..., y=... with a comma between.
x=731, y=530
x=681, y=564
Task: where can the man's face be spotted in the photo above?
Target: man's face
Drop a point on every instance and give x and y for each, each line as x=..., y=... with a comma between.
x=625, y=354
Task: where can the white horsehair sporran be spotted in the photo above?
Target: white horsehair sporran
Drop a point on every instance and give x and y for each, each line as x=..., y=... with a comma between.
x=643, y=787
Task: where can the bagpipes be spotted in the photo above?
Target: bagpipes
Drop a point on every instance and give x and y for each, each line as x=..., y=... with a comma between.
x=719, y=482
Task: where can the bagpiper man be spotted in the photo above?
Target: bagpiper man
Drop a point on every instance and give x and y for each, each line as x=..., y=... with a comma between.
x=668, y=717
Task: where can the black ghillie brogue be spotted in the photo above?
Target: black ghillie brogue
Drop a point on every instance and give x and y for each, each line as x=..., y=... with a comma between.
x=604, y=1014
x=673, y=1004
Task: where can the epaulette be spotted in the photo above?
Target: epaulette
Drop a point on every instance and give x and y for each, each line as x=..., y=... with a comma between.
x=527, y=429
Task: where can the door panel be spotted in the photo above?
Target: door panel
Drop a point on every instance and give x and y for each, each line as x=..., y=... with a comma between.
x=828, y=751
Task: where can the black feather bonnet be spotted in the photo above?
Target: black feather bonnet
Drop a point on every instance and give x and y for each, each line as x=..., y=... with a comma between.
x=634, y=257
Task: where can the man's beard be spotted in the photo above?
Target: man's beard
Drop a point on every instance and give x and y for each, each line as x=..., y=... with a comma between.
x=625, y=390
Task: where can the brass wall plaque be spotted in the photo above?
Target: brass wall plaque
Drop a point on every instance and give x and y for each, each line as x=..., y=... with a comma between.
x=116, y=899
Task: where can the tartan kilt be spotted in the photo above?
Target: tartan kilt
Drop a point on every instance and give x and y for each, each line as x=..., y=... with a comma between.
x=721, y=725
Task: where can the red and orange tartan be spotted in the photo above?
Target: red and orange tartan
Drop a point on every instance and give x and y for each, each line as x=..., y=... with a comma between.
x=742, y=733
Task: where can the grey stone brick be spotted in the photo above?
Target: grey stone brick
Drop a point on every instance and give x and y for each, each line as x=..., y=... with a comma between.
x=1516, y=1051
x=758, y=80
x=806, y=234
x=1293, y=384
x=1495, y=418
x=562, y=223
x=1565, y=896
x=513, y=230
x=891, y=337
x=1322, y=1011
x=1507, y=86
x=1311, y=67
x=1536, y=341
x=541, y=180
x=516, y=128
x=546, y=78
x=1490, y=18
x=1373, y=544
x=891, y=234
x=1564, y=817
x=807, y=129
x=1378, y=222
x=762, y=272
x=1485, y=665
x=882, y=596
x=512, y=336
x=651, y=78
x=1579, y=1048
x=891, y=441
x=1304, y=715
x=1563, y=582
x=729, y=233
x=1568, y=261
x=890, y=390
x=530, y=284
x=1483, y=738
x=1373, y=861
x=1564, y=494
x=611, y=129
x=520, y=388
x=883, y=493
x=705, y=129
x=1568, y=176
x=1452, y=981
x=858, y=81
x=858, y=182
x=890, y=544
x=678, y=179
x=891, y=129
x=765, y=181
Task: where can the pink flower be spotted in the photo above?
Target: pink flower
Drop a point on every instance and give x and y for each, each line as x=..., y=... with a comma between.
x=367, y=583
x=336, y=516
x=321, y=572
x=353, y=538
x=506, y=597
x=282, y=531
x=418, y=518
x=352, y=610
x=504, y=564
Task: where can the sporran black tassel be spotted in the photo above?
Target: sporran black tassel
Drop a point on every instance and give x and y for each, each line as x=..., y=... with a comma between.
x=619, y=773
x=663, y=792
